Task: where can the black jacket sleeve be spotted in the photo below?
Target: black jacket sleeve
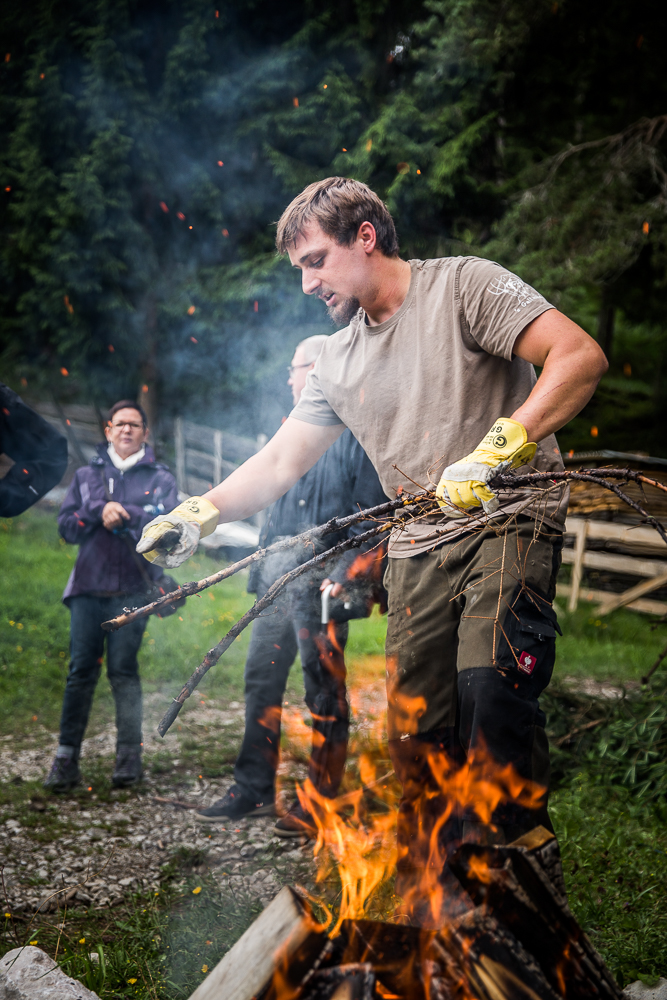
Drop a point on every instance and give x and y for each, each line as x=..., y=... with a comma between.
x=38, y=450
x=364, y=491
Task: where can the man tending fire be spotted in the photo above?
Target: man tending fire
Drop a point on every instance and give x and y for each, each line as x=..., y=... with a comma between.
x=341, y=482
x=433, y=374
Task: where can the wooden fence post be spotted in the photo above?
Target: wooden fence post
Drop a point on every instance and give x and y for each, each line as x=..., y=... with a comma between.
x=179, y=444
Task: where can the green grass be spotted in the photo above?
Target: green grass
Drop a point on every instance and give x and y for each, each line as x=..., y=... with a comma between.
x=619, y=647
x=614, y=851
x=34, y=632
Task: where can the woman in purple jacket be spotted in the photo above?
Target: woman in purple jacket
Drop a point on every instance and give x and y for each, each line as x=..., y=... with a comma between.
x=106, y=507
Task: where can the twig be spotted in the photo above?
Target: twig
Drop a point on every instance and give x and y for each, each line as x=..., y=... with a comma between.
x=575, y=732
x=427, y=504
x=274, y=590
x=655, y=666
x=188, y=589
x=173, y=802
x=597, y=476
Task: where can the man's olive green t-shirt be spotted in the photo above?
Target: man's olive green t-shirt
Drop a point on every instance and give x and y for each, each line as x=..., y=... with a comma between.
x=421, y=390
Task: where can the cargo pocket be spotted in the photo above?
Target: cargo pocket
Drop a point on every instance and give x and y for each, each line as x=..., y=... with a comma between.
x=527, y=646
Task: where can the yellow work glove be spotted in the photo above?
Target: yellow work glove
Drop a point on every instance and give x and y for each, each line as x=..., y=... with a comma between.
x=463, y=484
x=170, y=539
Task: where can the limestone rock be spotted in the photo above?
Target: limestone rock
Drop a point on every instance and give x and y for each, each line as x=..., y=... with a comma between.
x=29, y=974
x=638, y=991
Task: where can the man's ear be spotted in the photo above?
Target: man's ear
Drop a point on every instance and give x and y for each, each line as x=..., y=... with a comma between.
x=367, y=236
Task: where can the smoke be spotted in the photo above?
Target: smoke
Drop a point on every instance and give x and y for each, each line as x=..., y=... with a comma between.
x=171, y=142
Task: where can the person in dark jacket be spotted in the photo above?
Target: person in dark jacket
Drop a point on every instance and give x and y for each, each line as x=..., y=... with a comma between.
x=341, y=483
x=38, y=451
x=106, y=507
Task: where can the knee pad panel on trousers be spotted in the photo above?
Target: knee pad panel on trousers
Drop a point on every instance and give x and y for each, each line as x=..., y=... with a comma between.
x=526, y=649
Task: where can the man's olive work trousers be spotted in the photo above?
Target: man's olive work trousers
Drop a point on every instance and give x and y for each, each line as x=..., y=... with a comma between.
x=470, y=647
x=291, y=626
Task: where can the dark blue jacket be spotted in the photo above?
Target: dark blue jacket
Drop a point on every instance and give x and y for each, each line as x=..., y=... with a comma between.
x=343, y=481
x=38, y=450
x=105, y=564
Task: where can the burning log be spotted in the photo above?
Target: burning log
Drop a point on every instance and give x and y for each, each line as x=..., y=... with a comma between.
x=520, y=942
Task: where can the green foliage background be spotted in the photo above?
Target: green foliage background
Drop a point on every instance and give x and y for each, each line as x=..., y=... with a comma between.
x=484, y=125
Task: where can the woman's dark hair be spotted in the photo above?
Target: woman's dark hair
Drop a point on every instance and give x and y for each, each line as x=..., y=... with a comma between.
x=128, y=404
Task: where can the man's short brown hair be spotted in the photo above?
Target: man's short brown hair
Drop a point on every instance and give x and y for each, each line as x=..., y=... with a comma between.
x=338, y=205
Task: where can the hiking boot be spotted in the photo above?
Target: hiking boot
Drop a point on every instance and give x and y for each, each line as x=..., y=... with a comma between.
x=128, y=770
x=233, y=805
x=296, y=823
x=64, y=775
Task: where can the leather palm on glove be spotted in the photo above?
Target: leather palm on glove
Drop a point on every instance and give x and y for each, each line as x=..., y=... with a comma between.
x=170, y=539
x=463, y=484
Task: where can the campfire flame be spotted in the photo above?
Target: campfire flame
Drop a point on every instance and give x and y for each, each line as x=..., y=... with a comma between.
x=356, y=832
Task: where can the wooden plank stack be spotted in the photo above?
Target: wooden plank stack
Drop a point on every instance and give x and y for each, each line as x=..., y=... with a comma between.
x=609, y=537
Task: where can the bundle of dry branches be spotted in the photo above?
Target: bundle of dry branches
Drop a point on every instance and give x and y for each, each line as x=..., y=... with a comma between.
x=406, y=509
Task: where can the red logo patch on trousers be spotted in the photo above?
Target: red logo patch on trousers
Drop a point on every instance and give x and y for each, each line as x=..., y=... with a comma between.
x=527, y=663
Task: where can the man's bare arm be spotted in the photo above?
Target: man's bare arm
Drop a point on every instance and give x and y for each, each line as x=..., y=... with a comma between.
x=572, y=365
x=272, y=471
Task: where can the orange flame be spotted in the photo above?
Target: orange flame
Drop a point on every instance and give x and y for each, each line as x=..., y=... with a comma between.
x=359, y=840
x=367, y=565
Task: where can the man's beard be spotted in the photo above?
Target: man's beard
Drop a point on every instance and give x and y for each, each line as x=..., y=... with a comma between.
x=341, y=314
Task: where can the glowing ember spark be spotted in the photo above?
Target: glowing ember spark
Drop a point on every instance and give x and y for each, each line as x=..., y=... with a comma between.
x=8, y=188
x=194, y=340
x=191, y=310
x=163, y=206
x=594, y=432
x=225, y=232
x=63, y=371
x=369, y=145
x=220, y=163
x=8, y=56
x=111, y=348
x=645, y=228
x=144, y=388
x=295, y=102
x=256, y=305
x=179, y=215
x=68, y=304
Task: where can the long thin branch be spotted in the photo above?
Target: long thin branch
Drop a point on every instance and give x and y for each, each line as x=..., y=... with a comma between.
x=426, y=504
x=597, y=476
x=188, y=589
x=274, y=590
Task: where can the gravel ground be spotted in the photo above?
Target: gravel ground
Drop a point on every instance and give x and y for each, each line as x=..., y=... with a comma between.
x=96, y=851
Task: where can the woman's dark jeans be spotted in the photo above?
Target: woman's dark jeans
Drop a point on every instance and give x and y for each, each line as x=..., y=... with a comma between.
x=86, y=652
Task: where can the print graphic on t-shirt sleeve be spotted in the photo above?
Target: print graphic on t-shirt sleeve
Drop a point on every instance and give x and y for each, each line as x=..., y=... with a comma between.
x=509, y=284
